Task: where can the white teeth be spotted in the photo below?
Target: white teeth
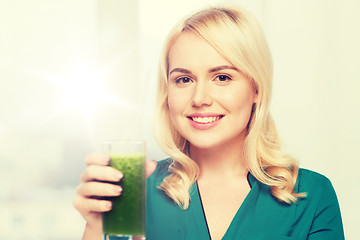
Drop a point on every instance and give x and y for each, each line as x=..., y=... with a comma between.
x=205, y=119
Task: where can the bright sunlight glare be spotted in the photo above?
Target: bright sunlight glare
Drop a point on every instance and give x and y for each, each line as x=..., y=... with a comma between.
x=82, y=89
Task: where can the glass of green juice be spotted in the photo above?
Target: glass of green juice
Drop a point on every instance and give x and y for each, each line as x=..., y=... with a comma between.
x=127, y=217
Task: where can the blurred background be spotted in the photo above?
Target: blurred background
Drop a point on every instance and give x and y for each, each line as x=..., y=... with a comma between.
x=75, y=72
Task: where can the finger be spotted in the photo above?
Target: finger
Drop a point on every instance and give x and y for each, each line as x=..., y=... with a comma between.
x=97, y=159
x=101, y=189
x=101, y=173
x=88, y=205
x=150, y=167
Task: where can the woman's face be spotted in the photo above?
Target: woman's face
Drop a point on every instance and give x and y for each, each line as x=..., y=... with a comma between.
x=209, y=100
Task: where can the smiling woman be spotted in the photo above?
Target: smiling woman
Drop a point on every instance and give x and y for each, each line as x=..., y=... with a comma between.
x=213, y=120
x=227, y=177
x=215, y=97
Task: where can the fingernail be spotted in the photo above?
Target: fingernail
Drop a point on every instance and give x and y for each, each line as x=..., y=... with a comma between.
x=118, y=189
x=108, y=205
x=118, y=176
x=106, y=160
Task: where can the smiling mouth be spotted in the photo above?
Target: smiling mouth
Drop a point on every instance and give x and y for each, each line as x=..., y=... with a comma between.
x=205, y=120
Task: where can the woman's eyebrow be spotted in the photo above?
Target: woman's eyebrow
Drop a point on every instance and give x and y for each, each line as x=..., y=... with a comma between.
x=215, y=69
x=180, y=70
x=211, y=70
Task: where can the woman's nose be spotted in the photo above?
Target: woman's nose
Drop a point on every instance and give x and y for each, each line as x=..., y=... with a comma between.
x=201, y=96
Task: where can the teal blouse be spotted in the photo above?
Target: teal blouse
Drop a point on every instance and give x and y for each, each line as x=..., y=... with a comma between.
x=260, y=217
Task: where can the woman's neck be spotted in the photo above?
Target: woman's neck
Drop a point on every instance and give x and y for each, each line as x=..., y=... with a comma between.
x=226, y=160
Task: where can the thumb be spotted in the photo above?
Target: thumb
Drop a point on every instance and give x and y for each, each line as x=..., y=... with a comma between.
x=150, y=167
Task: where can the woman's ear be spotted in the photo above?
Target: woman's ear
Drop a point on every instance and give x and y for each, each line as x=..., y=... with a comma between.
x=255, y=89
x=255, y=96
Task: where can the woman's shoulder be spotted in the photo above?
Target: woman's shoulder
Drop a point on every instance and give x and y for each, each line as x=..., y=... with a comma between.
x=310, y=175
x=320, y=202
x=161, y=171
x=164, y=164
x=312, y=183
x=162, y=168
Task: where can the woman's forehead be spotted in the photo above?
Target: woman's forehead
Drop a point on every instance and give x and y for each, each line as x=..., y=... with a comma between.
x=191, y=50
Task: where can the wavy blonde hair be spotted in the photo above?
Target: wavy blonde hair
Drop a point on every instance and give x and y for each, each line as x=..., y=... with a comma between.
x=238, y=37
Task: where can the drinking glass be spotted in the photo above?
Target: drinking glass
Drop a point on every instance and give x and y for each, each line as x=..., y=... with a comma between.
x=127, y=217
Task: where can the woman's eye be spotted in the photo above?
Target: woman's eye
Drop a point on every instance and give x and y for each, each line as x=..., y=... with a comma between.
x=222, y=78
x=183, y=80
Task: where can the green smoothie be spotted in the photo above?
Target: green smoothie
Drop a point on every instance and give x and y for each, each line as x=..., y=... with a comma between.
x=127, y=216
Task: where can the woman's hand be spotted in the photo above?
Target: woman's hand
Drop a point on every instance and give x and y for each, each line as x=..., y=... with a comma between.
x=96, y=183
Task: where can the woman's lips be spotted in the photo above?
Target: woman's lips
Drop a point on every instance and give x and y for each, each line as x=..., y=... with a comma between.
x=204, y=121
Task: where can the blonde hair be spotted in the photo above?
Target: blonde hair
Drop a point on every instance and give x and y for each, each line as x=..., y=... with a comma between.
x=238, y=37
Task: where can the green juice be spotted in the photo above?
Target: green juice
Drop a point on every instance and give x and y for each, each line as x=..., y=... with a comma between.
x=127, y=216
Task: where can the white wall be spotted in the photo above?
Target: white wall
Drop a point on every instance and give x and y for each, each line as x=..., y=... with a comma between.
x=75, y=72
x=42, y=45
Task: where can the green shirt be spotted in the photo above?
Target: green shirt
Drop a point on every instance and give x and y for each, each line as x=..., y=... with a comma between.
x=260, y=216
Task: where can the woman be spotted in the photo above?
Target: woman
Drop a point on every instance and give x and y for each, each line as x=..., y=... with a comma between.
x=226, y=177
